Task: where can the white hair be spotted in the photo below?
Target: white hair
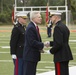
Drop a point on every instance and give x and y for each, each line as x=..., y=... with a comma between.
x=33, y=14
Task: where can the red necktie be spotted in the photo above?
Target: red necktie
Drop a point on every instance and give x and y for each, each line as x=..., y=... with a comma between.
x=38, y=30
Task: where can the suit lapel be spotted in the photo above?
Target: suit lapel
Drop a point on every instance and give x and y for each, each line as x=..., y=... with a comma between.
x=39, y=37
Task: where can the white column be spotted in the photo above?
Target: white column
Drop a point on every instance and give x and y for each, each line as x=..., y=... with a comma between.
x=65, y=2
x=15, y=3
x=67, y=15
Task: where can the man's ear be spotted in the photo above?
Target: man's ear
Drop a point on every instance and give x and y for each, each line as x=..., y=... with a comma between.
x=56, y=16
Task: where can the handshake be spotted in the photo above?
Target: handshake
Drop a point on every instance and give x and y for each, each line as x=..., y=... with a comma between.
x=47, y=44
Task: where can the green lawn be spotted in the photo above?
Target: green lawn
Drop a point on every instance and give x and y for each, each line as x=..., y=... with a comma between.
x=46, y=63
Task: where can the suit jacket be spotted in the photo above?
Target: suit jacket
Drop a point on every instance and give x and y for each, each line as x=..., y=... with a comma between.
x=17, y=40
x=60, y=47
x=33, y=44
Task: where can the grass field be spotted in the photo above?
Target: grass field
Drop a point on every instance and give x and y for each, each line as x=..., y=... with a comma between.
x=46, y=63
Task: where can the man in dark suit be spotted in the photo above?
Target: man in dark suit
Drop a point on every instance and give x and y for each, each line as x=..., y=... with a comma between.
x=33, y=45
x=17, y=42
x=60, y=45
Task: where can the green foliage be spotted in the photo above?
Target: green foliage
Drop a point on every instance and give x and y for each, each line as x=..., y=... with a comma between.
x=37, y=3
x=74, y=17
x=73, y=5
x=56, y=2
x=7, y=5
x=5, y=11
x=5, y=17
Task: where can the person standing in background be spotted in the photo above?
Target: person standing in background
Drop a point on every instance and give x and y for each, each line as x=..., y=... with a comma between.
x=17, y=42
x=49, y=28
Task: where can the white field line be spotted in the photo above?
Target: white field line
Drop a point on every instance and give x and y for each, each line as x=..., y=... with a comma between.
x=44, y=70
x=8, y=42
x=45, y=62
x=4, y=52
x=9, y=46
x=49, y=67
x=39, y=62
x=4, y=39
x=47, y=53
x=5, y=46
x=6, y=61
x=4, y=36
x=42, y=53
x=72, y=40
x=4, y=42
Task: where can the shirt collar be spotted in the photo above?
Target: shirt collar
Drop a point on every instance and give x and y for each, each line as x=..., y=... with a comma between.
x=34, y=24
x=58, y=22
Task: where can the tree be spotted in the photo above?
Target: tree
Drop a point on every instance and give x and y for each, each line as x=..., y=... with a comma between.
x=56, y=2
x=7, y=5
x=1, y=6
x=37, y=2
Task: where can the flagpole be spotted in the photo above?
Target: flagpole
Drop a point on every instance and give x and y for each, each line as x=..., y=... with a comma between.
x=48, y=2
x=15, y=3
x=66, y=12
x=65, y=2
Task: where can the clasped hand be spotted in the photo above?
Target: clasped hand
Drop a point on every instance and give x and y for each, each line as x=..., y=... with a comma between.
x=47, y=44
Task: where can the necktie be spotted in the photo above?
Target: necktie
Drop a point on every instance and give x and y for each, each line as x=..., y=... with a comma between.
x=38, y=30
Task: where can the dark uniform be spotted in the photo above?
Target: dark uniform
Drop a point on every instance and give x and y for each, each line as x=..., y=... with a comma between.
x=17, y=45
x=49, y=29
x=60, y=49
